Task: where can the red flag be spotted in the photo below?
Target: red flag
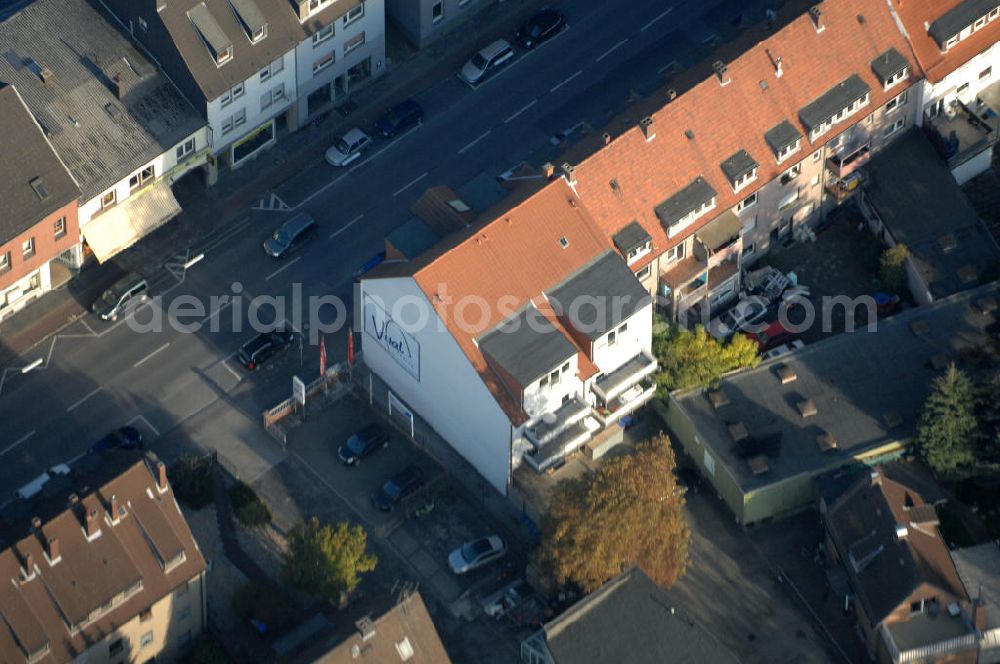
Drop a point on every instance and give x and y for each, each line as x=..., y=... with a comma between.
x=350, y=347
x=322, y=356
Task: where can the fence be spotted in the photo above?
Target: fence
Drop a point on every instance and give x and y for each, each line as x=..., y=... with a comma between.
x=289, y=406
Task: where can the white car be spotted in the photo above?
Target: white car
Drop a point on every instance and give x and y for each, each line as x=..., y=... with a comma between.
x=784, y=349
x=473, y=555
x=486, y=61
x=745, y=313
x=348, y=147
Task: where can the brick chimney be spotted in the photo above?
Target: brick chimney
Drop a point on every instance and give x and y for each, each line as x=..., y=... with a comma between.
x=816, y=14
x=28, y=571
x=161, y=476
x=52, y=550
x=568, y=171
x=548, y=170
x=647, y=127
x=721, y=72
x=121, y=87
x=91, y=525
x=114, y=509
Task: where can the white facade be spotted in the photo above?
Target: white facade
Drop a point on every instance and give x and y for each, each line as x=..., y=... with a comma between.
x=963, y=84
x=329, y=61
x=447, y=391
x=560, y=382
x=16, y=296
x=632, y=336
x=247, y=111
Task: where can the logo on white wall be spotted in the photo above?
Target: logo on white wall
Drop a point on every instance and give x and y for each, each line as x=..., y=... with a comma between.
x=400, y=345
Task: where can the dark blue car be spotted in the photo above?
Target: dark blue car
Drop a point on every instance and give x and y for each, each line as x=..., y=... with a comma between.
x=125, y=438
x=400, y=117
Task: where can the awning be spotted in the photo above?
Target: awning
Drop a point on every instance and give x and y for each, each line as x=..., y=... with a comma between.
x=720, y=231
x=127, y=223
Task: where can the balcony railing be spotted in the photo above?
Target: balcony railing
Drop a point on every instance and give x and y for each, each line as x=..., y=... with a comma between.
x=842, y=189
x=626, y=402
x=614, y=383
x=842, y=165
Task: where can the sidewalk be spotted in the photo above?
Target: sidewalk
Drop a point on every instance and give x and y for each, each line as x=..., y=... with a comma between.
x=208, y=211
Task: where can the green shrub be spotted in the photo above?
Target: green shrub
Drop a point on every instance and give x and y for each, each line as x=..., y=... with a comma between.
x=250, y=510
x=192, y=480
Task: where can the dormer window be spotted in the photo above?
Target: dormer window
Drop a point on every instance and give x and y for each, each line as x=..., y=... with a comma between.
x=225, y=56
x=639, y=252
x=683, y=208
x=250, y=18
x=961, y=21
x=789, y=150
x=218, y=44
x=259, y=33
x=835, y=105
x=740, y=169
x=784, y=140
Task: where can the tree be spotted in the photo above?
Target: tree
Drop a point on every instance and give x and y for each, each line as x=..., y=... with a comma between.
x=691, y=359
x=947, y=430
x=892, y=268
x=327, y=561
x=988, y=416
x=625, y=513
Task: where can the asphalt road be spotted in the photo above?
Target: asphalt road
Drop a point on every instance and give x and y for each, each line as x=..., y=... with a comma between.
x=95, y=376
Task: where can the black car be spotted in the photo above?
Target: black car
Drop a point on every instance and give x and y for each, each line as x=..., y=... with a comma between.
x=540, y=28
x=265, y=345
x=402, y=116
x=400, y=486
x=125, y=438
x=363, y=443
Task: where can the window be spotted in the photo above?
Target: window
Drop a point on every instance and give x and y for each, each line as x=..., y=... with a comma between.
x=4, y=262
x=980, y=22
x=323, y=34
x=643, y=273
x=815, y=180
x=747, y=202
x=258, y=34
x=185, y=148
x=554, y=377
x=612, y=338
x=437, y=12
x=788, y=149
x=994, y=13
x=894, y=127
x=265, y=74
x=951, y=42
x=354, y=14
x=116, y=647
x=146, y=639
x=323, y=63
x=986, y=73
x=272, y=96
x=354, y=42
x=870, y=119
x=816, y=156
x=226, y=98
x=59, y=227
x=227, y=125
x=895, y=102
x=744, y=180
x=791, y=174
x=143, y=24
x=544, y=381
x=240, y=117
x=788, y=201
x=622, y=328
x=750, y=224
x=224, y=57
x=108, y=199
x=836, y=142
x=640, y=251
x=238, y=90
x=141, y=178
x=962, y=89
x=146, y=615
x=897, y=77
x=565, y=367
x=675, y=253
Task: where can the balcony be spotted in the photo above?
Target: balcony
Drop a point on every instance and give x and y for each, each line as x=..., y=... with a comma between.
x=550, y=425
x=961, y=132
x=720, y=240
x=628, y=401
x=685, y=277
x=848, y=161
x=846, y=187
x=613, y=384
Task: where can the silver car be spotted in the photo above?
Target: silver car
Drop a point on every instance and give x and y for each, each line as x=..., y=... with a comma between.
x=486, y=61
x=348, y=147
x=475, y=554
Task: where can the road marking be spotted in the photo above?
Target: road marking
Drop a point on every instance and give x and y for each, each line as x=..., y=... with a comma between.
x=80, y=402
x=656, y=18
x=566, y=81
x=235, y=375
x=215, y=313
x=470, y=145
x=89, y=329
x=409, y=184
x=319, y=191
x=346, y=226
x=378, y=153
x=18, y=442
x=611, y=50
x=148, y=357
x=148, y=424
x=523, y=109
x=282, y=268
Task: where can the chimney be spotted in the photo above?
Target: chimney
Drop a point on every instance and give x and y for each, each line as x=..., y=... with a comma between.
x=29, y=566
x=366, y=628
x=114, y=508
x=52, y=550
x=161, y=476
x=548, y=170
x=47, y=76
x=901, y=531
x=162, y=4
x=648, y=130
x=93, y=528
x=606, y=138
x=36, y=524
x=876, y=478
x=721, y=72
x=567, y=172
x=979, y=613
x=121, y=88
x=671, y=94
x=73, y=499
x=777, y=67
x=817, y=18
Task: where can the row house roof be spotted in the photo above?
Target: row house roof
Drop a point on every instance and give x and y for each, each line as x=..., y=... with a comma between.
x=930, y=25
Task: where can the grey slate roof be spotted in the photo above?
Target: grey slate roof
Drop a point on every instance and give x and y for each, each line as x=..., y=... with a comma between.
x=35, y=162
x=833, y=101
x=888, y=64
x=959, y=17
x=631, y=619
x=738, y=164
x=631, y=237
x=100, y=138
x=527, y=346
x=781, y=135
x=413, y=238
x=600, y=296
x=688, y=199
x=919, y=202
x=854, y=379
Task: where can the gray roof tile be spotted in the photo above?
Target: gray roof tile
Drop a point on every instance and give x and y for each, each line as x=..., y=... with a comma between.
x=958, y=18
x=688, y=199
x=888, y=64
x=527, y=346
x=782, y=135
x=833, y=101
x=737, y=165
x=631, y=237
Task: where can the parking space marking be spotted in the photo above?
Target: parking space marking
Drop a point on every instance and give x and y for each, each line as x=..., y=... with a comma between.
x=232, y=371
x=150, y=356
x=565, y=81
x=147, y=422
x=347, y=225
x=523, y=109
x=656, y=18
x=283, y=268
x=89, y=329
x=80, y=402
x=409, y=184
x=611, y=50
x=469, y=146
x=18, y=442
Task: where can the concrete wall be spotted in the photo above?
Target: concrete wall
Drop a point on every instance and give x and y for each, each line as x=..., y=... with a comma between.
x=449, y=394
x=973, y=167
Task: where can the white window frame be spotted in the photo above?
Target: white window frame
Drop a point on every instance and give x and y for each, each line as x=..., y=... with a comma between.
x=238, y=90
x=227, y=125
x=354, y=43
x=258, y=34
x=440, y=17
x=141, y=177
x=186, y=148
x=639, y=252
x=747, y=202
x=324, y=33
x=324, y=62
x=899, y=76
x=894, y=127
x=789, y=150
x=749, y=249
x=792, y=173
x=986, y=73
x=108, y=202
x=240, y=117
x=745, y=179
x=28, y=248
x=224, y=57
x=4, y=261
x=675, y=253
x=354, y=14
x=59, y=228
x=226, y=99
x=788, y=201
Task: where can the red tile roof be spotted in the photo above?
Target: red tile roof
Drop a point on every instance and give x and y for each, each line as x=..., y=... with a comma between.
x=917, y=14
x=725, y=119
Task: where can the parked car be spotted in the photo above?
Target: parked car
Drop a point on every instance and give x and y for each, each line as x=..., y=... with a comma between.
x=348, y=147
x=35, y=486
x=401, y=485
x=485, y=62
x=116, y=300
x=289, y=235
x=365, y=442
x=746, y=312
x=124, y=438
x=784, y=349
x=477, y=553
x=264, y=346
x=402, y=116
x=541, y=27
x=773, y=335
